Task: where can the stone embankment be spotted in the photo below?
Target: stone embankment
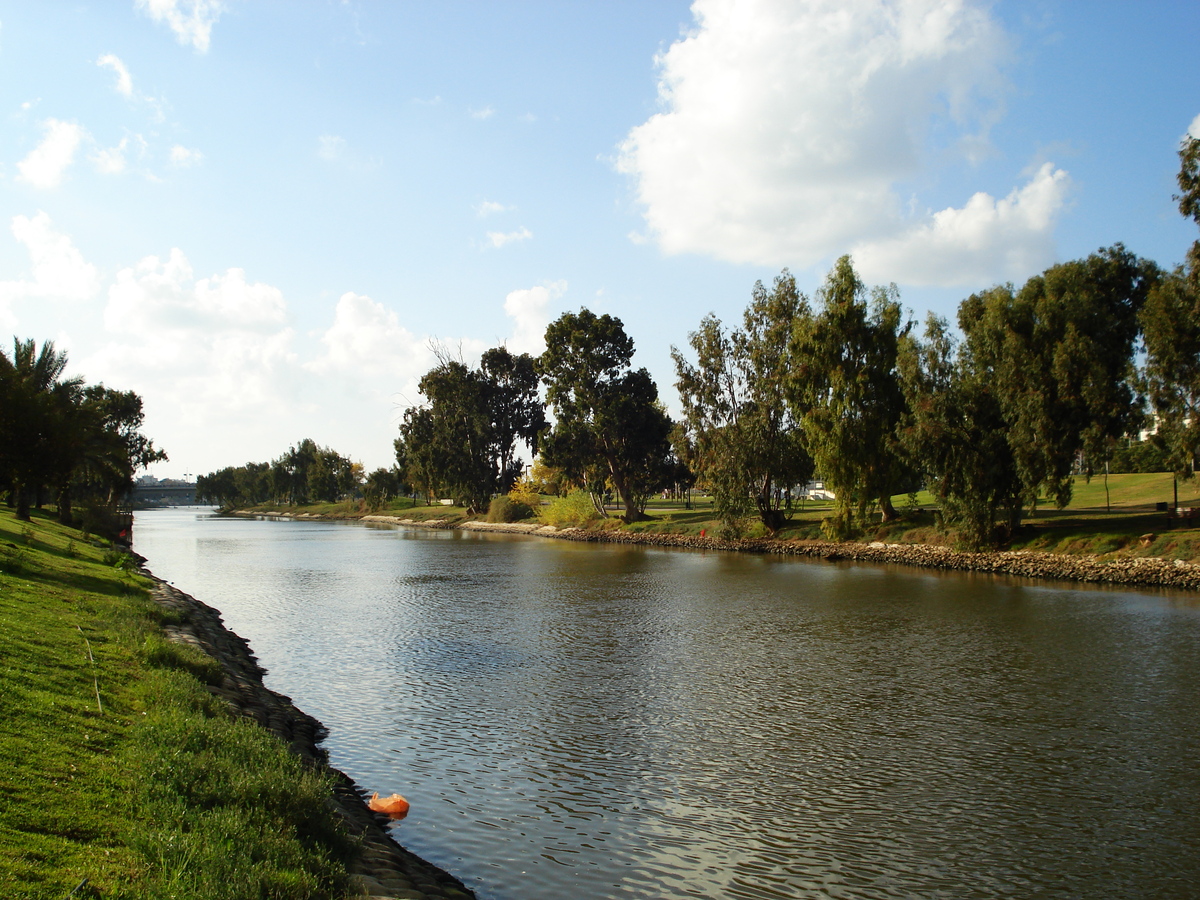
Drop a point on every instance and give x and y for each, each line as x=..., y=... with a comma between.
x=1022, y=563
x=384, y=869
x=1131, y=570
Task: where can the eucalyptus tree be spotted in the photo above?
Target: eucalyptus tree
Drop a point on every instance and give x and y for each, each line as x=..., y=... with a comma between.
x=845, y=391
x=610, y=427
x=742, y=437
x=516, y=412
x=1059, y=355
x=954, y=432
x=464, y=441
x=1171, y=328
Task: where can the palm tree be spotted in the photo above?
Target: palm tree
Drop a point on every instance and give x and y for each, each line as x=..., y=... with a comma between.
x=35, y=408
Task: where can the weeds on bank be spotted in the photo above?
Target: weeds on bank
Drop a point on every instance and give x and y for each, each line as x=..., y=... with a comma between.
x=117, y=767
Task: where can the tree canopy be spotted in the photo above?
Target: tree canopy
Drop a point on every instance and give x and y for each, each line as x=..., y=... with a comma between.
x=60, y=435
x=609, y=428
x=741, y=436
x=464, y=441
x=846, y=393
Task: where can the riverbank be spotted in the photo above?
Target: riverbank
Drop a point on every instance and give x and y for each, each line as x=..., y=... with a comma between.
x=383, y=869
x=1113, y=568
x=141, y=755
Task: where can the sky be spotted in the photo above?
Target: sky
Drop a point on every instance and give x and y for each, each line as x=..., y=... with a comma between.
x=264, y=215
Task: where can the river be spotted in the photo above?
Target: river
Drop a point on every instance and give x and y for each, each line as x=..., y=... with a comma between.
x=601, y=721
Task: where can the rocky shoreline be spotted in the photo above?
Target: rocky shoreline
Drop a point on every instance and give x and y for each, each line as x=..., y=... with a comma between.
x=384, y=869
x=1149, y=571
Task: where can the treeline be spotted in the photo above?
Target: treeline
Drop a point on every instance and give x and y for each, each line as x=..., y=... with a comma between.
x=63, y=440
x=1042, y=385
x=306, y=473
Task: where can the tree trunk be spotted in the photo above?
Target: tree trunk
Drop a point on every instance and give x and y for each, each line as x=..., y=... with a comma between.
x=64, y=507
x=22, y=493
x=886, y=509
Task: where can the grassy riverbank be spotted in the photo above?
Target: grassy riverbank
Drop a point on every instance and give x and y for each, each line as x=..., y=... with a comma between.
x=117, y=767
x=1110, y=521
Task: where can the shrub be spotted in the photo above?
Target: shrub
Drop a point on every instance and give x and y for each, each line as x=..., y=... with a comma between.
x=505, y=509
x=574, y=509
x=523, y=492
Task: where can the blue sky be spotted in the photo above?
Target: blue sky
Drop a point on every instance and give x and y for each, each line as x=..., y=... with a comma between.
x=259, y=215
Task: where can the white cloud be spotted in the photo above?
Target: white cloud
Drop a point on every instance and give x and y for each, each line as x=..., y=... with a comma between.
x=58, y=270
x=159, y=295
x=481, y=114
x=367, y=340
x=490, y=207
x=1005, y=238
x=1194, y=128
x=528, y=309
x=499, y=239
x=46, y=163
x=183, y=157
x=110, y=161
x=330, y=146
x=191, y=20
x=124, y=83
x=787, y=128
x=210, y=357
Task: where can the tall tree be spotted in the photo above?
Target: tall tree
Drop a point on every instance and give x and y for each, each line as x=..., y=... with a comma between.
x=466, y=443
x=58, y=435
x=1059, y=354
x=610, y=428
x=515, y=411
x=846, y=392
x=742, y=437
x=1171, y=328
x=955, y=433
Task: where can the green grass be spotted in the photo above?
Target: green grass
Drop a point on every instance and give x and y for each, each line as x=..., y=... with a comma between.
x=1086, y=526
x=116, y=766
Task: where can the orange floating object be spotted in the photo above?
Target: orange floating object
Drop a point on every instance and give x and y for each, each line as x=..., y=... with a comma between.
x=394, y=806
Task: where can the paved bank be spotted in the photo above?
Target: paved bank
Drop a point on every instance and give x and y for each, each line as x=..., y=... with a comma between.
x=384, y=869
x=1131, y=570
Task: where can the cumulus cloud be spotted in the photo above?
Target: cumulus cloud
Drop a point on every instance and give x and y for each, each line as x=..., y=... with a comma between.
x=184, y=157
x=1008, y=238
x=211, y=355
x=500, y=238
x=124, y=85
x=1194, y=128
x=57, y=271
x=528, y=310
x=191, y=20
x=367, y=338
x=787, y=128
x=163, y=295
x=48, y=161
x=481, y=114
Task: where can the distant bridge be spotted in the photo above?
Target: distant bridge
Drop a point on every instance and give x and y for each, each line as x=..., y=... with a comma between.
x=145, y=496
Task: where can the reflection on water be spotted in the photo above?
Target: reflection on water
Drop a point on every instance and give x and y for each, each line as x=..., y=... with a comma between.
x=575, y=720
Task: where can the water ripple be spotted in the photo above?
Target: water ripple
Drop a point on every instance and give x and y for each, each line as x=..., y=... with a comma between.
x=613, y=722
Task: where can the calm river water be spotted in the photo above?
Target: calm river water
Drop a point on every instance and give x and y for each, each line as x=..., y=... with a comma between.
x=590, y=721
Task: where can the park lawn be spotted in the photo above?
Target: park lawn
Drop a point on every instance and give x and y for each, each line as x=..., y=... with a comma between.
x=116, y=766
x=1089, y=524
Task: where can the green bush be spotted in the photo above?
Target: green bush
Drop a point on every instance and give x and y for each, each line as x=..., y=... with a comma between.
x=505, y=509
x=574, y=509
